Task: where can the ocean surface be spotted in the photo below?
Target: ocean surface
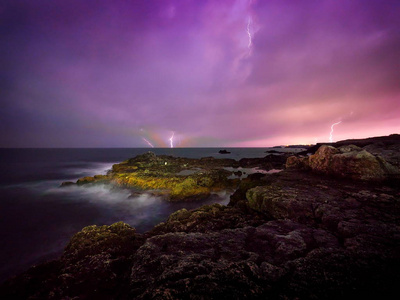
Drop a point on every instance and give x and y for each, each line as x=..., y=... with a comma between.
x=37, y=218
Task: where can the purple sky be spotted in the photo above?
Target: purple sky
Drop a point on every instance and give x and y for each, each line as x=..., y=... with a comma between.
x=115, y=73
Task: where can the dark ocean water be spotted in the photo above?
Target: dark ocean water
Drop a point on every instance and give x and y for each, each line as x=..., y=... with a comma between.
x=37, y=218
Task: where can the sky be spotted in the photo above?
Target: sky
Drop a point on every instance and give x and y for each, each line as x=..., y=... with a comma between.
x=192, y=73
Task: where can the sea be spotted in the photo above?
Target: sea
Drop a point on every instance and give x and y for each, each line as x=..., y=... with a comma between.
x=37, y=217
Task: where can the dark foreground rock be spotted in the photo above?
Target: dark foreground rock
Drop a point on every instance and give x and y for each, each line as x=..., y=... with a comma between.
x=292, y=236
x=289, y=235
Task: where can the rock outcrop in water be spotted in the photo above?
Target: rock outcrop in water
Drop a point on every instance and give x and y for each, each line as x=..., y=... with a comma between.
x=176, y=178
x=290, y=235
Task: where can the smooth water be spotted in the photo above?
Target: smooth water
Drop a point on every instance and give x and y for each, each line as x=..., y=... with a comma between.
x=37, y=218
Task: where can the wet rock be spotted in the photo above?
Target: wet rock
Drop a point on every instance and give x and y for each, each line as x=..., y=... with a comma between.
x=161, y=175
x=290, y=235
x=207, y=218
x=94, y=179
x=179, y=179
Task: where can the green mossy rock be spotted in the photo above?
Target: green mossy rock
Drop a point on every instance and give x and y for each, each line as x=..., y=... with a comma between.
x=115, y=239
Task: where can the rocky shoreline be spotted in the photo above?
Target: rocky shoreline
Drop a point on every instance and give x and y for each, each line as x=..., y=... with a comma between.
x=181, y=179
x=327, y=227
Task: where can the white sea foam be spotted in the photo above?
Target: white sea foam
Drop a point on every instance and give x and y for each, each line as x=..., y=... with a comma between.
x=95, y=168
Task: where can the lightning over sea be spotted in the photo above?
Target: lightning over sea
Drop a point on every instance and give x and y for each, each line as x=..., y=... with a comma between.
x=331, y=133
x=171, y=139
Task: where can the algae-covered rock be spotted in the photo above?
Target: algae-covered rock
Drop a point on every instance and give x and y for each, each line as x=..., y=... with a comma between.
x=271, y=199
x=115, y=239
x=94, y=179
x=247, y=183
x=177, y=188
x=173, y=178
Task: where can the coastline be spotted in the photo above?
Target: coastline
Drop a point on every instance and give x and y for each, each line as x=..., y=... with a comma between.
x=296, y=233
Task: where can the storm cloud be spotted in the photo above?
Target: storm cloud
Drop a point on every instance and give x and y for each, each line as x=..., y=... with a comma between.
x=216, y=73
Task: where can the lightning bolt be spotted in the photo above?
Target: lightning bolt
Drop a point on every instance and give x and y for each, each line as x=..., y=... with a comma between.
x=331, y=134
x=148, y=143
x=171, y=139
x=249, y=33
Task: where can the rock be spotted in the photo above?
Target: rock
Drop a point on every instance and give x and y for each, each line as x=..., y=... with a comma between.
x=116, y=239
x=207, y=218
x=245, y=184
x=295, y=162
x=268, y=162
x=223, y=152
x=311, y=237
x=95, y=265
x=290, y=235
x=385, y=146
x=351, y=161
x=94, y=179
x=272, y=151
x=176, y=178
x=195, y=266
x=85, y=180
x=232, y=263
x=159, y=175
x=348, y=161
x=390, y=152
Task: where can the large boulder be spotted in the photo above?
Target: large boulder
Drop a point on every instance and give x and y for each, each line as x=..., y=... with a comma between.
x=347, y=161
x=296, y=162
